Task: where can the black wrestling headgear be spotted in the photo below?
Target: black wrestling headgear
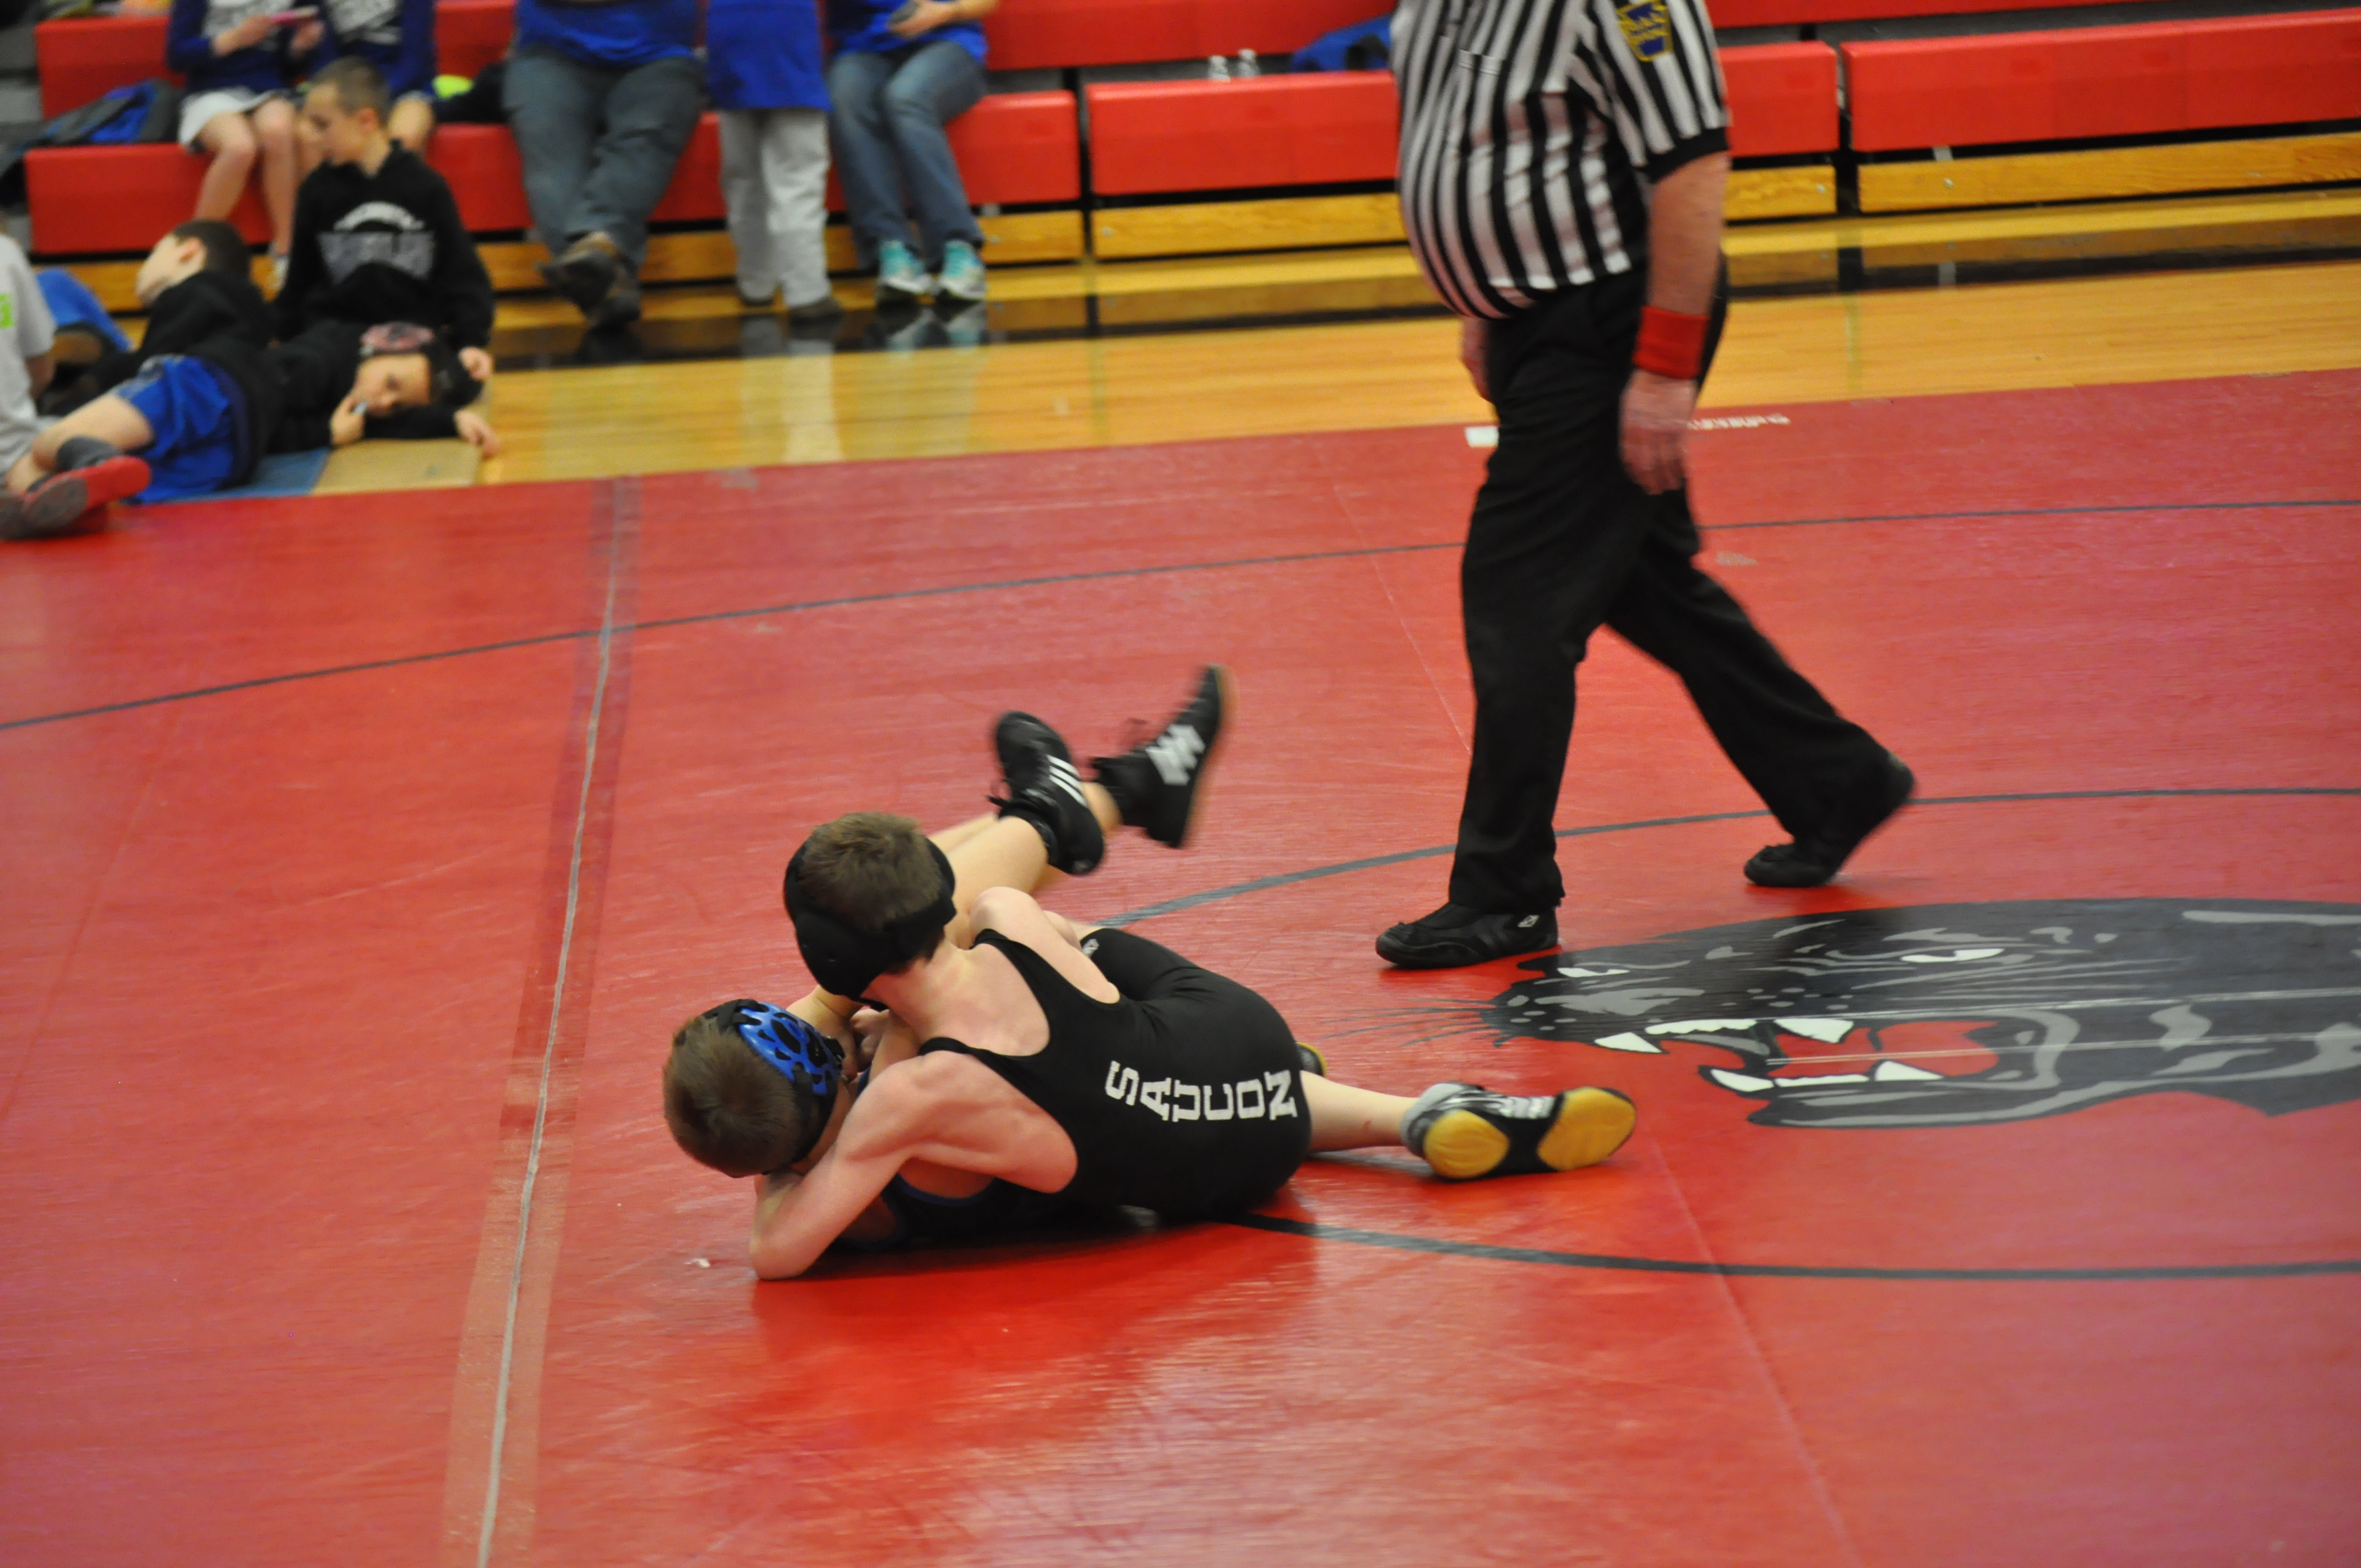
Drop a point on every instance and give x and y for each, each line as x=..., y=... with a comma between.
x=843, y=958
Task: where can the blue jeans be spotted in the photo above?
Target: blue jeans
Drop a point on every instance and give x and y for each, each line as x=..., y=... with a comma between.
x=887, y=124
x=598, y=146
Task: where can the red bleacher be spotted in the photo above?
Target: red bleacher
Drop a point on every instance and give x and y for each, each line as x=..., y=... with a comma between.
x=1783, y=99
x=1152, y=137
x=86, y=57
x=1038, y=33
x=2149, y=79
x=1212, y=135
x=1281, y=131
x=1011, y=148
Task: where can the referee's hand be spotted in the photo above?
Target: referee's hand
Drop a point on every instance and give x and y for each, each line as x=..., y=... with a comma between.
x=1475, y=337
x=1655, y=419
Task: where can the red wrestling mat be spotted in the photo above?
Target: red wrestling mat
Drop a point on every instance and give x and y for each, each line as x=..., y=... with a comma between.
x=1993, y=1207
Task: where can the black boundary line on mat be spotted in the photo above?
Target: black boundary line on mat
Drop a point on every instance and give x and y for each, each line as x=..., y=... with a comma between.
x=512, y=643
x=1343, y=868
x=1315, y=1231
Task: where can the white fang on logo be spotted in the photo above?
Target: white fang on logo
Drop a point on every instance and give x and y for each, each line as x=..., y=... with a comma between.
x=1175, y=753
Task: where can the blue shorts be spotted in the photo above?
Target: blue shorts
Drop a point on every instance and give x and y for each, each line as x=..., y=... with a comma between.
x=194, y=410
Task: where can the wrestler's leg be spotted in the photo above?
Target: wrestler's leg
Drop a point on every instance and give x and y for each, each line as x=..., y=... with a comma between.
x=1343, y=1117
x=1006, y=851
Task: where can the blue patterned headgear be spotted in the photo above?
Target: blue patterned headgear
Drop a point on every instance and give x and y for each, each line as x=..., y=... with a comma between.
x=803, y=1056
x=786, y=1042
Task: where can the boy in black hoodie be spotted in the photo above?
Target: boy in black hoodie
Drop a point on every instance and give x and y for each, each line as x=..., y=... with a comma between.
x=197, y=284
x=378, y=235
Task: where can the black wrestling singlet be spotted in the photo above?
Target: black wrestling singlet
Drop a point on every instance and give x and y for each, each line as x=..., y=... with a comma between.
x=1182, y=1097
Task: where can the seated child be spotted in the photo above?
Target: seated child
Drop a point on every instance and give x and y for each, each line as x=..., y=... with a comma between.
x=197, y=284
x=188, y=424
x=397, y=37
x=240, y=59
x=27, y=341
x=378, y=235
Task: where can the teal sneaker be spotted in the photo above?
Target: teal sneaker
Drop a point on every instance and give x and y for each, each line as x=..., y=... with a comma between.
x=900, y=280
x=962, y=274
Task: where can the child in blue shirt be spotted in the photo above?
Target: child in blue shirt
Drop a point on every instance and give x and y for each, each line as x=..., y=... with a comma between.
x=763, y=68
x=901, y=74
x=240, y=61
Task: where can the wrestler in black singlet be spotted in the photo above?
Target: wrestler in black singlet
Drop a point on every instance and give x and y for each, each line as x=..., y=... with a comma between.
x=1183, y=1097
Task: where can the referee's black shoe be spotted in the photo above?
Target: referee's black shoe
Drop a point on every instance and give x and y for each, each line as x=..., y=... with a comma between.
x=1816, y=857
x=1159, y=788
x=1045, y=790
x=1464, y=1131
x=1455, y=935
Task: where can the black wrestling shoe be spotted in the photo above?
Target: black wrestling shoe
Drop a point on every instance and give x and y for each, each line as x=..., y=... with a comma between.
x=1455, y=935
x=1045, y=790
x=1160, y=787
x=1311, y=1060
x=1815, y=857
x=1465, y=1131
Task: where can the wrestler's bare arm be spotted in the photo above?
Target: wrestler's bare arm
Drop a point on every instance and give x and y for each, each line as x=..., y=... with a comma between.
x=1014, y=916
x=946, y=1109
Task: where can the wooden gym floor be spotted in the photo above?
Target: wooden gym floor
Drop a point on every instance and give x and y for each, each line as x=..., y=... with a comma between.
x=1991, y=1207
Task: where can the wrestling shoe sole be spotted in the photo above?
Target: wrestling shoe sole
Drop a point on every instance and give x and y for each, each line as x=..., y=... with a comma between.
x=1589, y=1126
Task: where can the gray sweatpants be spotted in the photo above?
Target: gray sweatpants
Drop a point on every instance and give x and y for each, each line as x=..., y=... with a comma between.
x=775, y=179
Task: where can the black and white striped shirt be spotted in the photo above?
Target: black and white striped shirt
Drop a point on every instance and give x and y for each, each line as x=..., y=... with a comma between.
x=1528, y=128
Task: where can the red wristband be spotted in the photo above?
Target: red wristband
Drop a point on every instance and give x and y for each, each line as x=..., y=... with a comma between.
x=1670, y=344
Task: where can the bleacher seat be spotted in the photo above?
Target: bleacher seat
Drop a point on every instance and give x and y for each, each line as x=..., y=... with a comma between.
x=1028, y=35
x=1160, y=136
x=1783, y=99
x=1813, y=13
x=1153, y=138
x=1014, y=148
x=2148, y=79
x=86, y=57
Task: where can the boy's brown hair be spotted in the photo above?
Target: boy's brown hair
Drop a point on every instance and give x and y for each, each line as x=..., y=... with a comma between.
x=729, y=1108
x=870, y=869
x=357, y=86
x=226, y=249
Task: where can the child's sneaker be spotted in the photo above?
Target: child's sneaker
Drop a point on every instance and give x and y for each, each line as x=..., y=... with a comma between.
x=1465, y=1130
x=900, y=280
x=1045, y=790
x=90, y=475
x=1159, y=786
x=962, y=274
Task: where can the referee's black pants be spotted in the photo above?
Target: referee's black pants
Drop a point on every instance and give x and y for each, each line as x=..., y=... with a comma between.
x=1563, y=542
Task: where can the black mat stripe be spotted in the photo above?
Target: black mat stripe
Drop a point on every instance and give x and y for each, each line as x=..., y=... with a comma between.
x=1315, y=1231
x=1012, y=583
x=1342, y=868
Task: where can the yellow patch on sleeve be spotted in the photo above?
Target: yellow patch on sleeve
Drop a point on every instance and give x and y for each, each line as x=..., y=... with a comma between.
x=1646, y=28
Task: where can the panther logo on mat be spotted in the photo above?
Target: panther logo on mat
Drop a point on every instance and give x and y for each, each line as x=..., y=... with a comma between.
x=1953, y=1014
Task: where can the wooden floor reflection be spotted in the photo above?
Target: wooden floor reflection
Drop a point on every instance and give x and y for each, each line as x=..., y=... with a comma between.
x=1016, y=397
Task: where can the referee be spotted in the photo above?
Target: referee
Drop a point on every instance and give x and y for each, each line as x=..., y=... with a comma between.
x=1562, y=173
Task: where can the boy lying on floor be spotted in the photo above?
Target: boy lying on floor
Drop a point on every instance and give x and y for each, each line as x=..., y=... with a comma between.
x=188, y=424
